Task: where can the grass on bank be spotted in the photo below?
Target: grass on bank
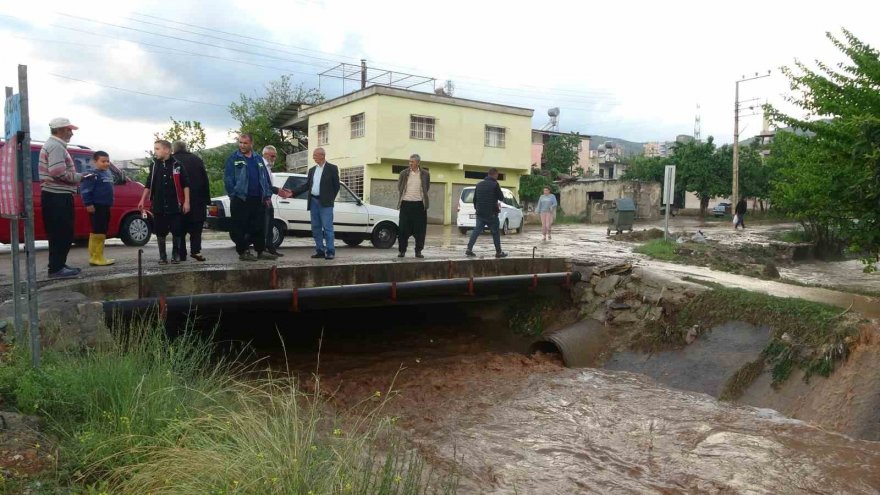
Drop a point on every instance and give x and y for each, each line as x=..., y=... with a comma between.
x=659, y=249
x=152, y=415
x=806, y=335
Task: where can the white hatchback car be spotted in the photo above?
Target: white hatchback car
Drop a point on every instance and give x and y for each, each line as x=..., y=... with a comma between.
x=353, y=220
x=510, y=218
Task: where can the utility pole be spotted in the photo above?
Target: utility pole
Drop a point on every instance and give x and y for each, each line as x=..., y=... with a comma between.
x=363, y=73
x=735, y=196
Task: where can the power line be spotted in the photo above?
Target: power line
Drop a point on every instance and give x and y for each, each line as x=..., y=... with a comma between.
x=137, y=92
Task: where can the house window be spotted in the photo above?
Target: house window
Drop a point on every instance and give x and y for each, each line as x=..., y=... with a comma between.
x=495, y=136
x=353, y=177
x=421, y=127
x=323, y=134
x=357, y=126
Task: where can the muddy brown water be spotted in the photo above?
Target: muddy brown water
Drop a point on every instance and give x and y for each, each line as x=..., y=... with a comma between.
x=521, y=424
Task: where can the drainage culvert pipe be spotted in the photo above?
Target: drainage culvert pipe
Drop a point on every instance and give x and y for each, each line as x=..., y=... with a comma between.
x=345, y=296
x=581, y=344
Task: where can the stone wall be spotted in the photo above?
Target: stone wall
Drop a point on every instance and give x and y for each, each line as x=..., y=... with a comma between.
x=575, y=198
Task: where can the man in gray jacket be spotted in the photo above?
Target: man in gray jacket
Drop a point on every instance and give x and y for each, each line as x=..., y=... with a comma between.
x=413, y=186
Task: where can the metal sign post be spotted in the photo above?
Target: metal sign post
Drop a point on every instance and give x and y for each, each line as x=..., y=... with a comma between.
x=28, y=193
x=668, y=195
x=10, y=202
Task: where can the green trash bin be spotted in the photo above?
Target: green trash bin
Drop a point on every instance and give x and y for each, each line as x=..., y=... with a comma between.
x=622, y=215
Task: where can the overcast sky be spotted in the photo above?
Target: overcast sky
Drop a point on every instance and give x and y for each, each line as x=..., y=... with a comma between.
x=629, y=69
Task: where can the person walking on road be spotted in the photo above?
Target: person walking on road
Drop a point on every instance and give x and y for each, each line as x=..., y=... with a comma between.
x=270, y=154
x=487, y=195
x=168, y=189
x=740, y=212
x=200, y=199
x=323, y=186
x=59, y=180
x=413, y=186
x=547, y=209
x=97, y=196
x=250, y=190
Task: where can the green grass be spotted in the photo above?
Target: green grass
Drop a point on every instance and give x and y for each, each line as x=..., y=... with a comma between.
x=659, y=249
x=795, y=236
x=807, y=335
x=151, y=415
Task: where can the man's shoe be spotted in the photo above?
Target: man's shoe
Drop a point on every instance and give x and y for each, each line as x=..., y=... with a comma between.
x=247, y=256
x=329, y=257
x=64, y=272
x=318, y=256
x=276, y=253
x=401, y=255
x=163, y=261
x=198, y=257
x=266, y=256
x=420, y=255
x=77, y=270
x=501, y=254
x=469, y=253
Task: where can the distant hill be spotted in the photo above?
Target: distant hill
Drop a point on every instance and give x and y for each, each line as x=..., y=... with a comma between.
x=629, y=147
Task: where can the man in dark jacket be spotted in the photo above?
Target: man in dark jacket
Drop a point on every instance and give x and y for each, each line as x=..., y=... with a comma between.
x=323, y=186
x=487, y=194
x=413, y=186
x=250, y=190
x=168, y=189
x=740, y=212
x=199, y=198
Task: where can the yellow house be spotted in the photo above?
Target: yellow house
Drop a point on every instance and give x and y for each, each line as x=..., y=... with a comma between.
x=370, y=134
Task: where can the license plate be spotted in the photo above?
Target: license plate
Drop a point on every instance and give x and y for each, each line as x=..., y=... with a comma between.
x=472, y=216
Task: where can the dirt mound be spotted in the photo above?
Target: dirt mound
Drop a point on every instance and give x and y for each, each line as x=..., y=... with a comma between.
x=640, y=235
x=848, y=401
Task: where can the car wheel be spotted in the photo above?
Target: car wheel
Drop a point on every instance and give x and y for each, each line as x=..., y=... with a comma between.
x=352, y=242
x=462, y=230
x=277, y=234
x=135, y=230
x=522, y=224
x=384, y=235
x=505, y=229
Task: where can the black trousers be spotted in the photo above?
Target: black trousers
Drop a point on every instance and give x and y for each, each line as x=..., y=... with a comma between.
x=58, y=221
x=164, y=224
x=413, y=222
x=193, y=227
x=100, y=219
x=248, y=224
x=270, y=217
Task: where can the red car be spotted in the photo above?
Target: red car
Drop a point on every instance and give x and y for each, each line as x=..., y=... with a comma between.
x=125, y=219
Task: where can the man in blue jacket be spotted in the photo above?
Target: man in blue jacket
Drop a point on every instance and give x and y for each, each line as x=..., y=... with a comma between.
x=250, y=191
x=487, y=194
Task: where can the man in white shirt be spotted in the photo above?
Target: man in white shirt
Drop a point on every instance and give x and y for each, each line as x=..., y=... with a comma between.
x=413, y=185
x=270, y=154
x=323, y=186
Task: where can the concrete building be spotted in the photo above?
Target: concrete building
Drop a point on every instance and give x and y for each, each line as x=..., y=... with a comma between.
x=540, y=138
x=591, y=199
x=371, y=133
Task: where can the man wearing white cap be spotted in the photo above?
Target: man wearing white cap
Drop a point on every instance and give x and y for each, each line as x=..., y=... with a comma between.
x=59, y=181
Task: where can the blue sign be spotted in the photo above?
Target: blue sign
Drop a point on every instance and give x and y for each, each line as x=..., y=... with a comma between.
x=12, y=113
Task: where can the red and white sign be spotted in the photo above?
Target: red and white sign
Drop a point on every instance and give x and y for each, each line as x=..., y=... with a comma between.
x=10, y=205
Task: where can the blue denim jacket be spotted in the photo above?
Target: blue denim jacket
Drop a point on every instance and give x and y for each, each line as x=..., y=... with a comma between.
x=235, y=176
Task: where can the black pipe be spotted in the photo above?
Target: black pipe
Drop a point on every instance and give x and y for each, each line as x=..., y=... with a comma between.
x=330, y=297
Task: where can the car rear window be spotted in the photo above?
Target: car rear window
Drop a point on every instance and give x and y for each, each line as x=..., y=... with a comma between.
x=467, y=195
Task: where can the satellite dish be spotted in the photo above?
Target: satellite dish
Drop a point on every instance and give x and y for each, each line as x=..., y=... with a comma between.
x=609, y=144
x=553, y=112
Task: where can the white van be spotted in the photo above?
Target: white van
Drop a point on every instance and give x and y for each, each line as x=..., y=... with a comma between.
x=510, y=218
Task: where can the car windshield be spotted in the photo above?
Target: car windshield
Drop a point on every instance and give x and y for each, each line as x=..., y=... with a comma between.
x=467, y=195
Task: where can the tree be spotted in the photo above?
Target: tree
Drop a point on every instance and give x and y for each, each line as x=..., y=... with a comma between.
x=755, y=176
x=649, y=169
x=254, y=113
x=188, y=131
x=829, y=172
x=561, y=154
x=703, y=170
x=532, y=186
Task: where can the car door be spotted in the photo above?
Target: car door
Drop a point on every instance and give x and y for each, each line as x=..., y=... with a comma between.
x=511, y=209
x=349, y=212
x=293, y=211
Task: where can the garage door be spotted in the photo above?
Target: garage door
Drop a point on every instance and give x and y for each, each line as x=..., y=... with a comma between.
x=453, y=200
x=384, y=193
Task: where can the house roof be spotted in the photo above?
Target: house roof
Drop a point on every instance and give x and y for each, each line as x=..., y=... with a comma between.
x=554, y=133
x=298, y=116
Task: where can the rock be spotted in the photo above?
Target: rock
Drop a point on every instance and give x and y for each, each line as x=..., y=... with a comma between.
x=619, y=305
x=786, y=338
x=692, y=334
x=653, y=296
x=68, y=320
x=600, y=314
x=625, y=317
x=770, y=271
x=606, y=285
x=595, y=280
x=585, y=271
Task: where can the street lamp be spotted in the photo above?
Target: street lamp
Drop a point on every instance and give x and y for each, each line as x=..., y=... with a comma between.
x=735, y=196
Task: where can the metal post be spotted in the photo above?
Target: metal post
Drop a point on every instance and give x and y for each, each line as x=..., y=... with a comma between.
x=735, y=196
x=28, y=193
